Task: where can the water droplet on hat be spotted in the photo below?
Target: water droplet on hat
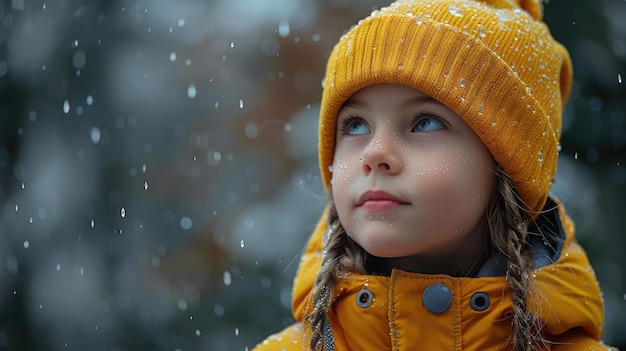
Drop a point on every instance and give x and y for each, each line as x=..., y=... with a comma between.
x=462, y=82
x=502, y=16
x=482, y=32
x=540, y=158
x=419, y=20
x=455, y=11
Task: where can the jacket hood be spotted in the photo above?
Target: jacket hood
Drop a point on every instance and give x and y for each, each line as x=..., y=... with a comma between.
x=570, y=300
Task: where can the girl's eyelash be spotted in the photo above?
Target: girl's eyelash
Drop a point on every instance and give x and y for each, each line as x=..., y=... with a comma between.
x=343, y=125
x=421, y=116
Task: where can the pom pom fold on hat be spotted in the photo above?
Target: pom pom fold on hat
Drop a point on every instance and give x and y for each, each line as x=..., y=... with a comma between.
x=493, y=62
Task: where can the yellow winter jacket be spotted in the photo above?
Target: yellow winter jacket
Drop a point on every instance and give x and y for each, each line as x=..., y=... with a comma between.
x=397, y=315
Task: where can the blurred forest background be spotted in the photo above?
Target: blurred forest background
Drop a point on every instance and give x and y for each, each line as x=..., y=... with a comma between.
x=158, y=164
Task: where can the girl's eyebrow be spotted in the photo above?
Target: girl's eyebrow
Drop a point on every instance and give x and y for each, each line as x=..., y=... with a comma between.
x=416, y=100
x=420, y=99
x=352, y=102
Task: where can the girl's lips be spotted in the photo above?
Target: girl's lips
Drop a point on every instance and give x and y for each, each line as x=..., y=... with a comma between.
x=379, y=201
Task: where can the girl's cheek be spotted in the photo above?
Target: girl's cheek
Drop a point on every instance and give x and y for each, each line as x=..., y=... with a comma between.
x=340, y=174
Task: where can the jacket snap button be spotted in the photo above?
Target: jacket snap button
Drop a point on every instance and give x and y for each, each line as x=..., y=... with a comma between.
x=480, y=301
x=364, y=298
x=437, y=298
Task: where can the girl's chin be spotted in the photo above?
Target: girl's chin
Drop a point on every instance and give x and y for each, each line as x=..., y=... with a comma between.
x=388, y=252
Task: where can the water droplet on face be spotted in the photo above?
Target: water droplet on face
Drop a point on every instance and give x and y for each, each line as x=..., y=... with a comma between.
x=242, y=244
x=240, y=103
x=66, y=106
x=619, y=78
x=198, y=333
x=93, y=223
x=123, y=212
x=26, y=244
x=145, y=185
x=236, y=331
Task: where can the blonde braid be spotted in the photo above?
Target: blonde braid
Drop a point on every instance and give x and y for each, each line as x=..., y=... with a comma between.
x=509, y=232
x=341, y=255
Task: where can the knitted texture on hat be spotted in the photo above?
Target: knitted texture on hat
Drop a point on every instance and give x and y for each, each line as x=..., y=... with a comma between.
x=493, y=62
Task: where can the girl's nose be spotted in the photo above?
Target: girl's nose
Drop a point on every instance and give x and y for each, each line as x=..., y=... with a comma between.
x=381, y=156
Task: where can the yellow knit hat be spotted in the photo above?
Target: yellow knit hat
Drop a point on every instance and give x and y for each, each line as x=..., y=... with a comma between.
x=493, y=62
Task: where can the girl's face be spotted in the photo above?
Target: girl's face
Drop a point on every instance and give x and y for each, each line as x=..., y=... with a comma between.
x=410, y=178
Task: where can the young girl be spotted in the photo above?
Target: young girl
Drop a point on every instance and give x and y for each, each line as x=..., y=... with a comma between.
x=438, y=143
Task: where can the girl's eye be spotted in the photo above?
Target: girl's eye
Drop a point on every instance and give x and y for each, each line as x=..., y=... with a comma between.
x=428, y=124
x=355, y=126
